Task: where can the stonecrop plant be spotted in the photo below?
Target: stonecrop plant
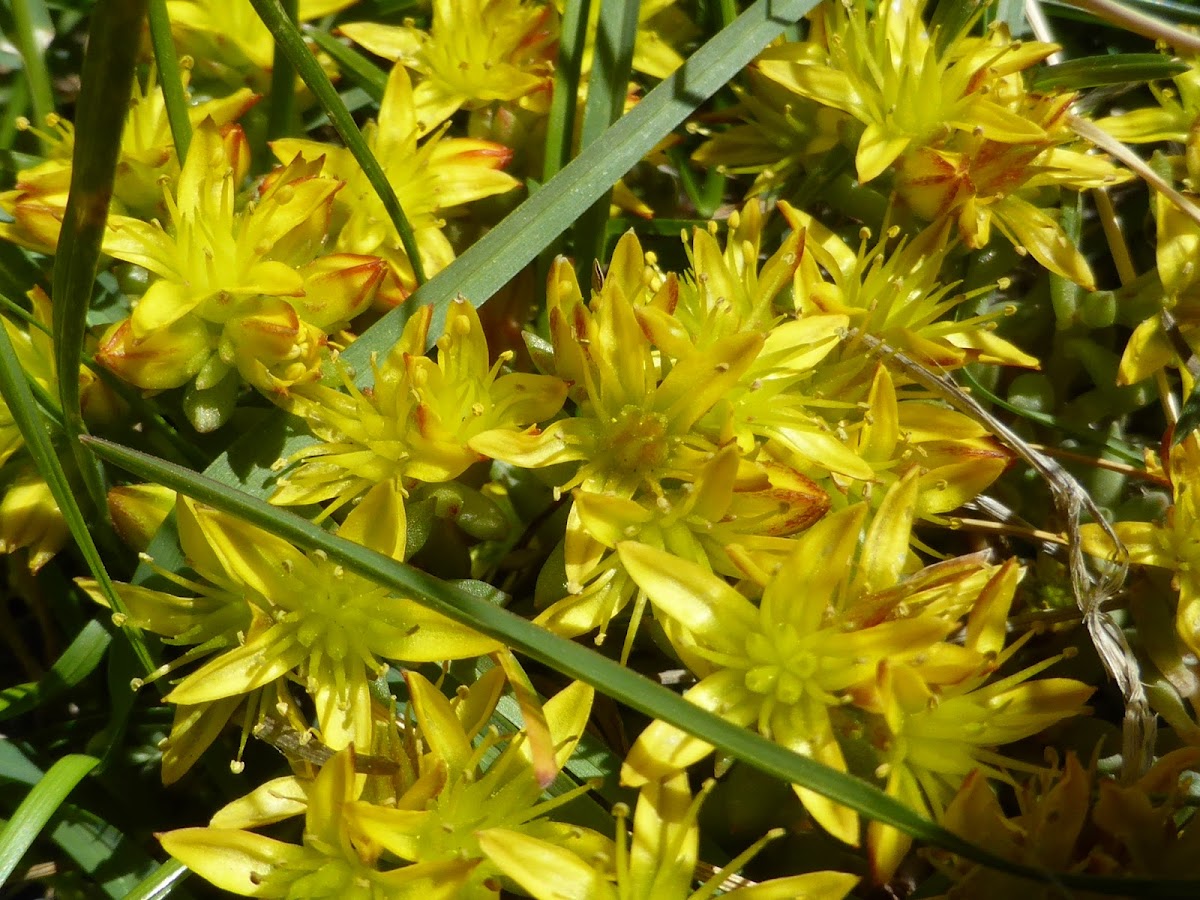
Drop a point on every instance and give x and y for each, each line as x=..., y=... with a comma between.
x=540, y=448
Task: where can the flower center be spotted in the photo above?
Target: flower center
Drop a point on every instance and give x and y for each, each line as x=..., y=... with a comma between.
x=638, y=440
x=782, y=665
x=336, y=613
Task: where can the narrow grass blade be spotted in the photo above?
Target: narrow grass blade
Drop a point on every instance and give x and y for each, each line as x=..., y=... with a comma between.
x=608, y=85
x=15, y=390
x=1097, y=71
x=606, y=675
x=24, y=14
x=170, y=77
x=360, y=70
x=289, y=40
x=77, y=662
x=37, y=808
x=1182, y=13
x=107, y=80
x=13, y=111
x=492, y=262
x=283, y=83
x=560, y=126
x=161, y=882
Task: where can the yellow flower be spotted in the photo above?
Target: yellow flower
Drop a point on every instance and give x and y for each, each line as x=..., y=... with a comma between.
x=229, y=41
x=777, y=136
x=1072, y=820
x=895, y=294
x=235, y=289
x=456, y=796
x=279, y=611
x=1173, y=544
x=419, y=420
x=147, y=158
x=431, y=179
x=907, y=87
x=334, y=861
x=938, y=733
x=733, y=502
x=423, y=798
x=659, y=865
x=475, y=53
x=636, y=425
x=974, y=140
x=957, y=458
x=781, y=666
x=30, y=517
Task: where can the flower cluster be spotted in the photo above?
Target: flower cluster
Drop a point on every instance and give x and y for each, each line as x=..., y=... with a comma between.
x=769, y=450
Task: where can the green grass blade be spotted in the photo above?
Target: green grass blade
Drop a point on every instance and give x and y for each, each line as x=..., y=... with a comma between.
x=161, y=882
x=560, y=126
x=499, y=255
x=1099, y=71
x=1189, y=417
x=1171, y=10
x=361, y=70
x=107, y=80
x=36, y=77
x=78, y=661
x=606, y=675
x=112, y=859
x=283, y=83
x=15, y=390
x=289, y=40
x=170, y=77
x=608, y=84
x=37, y=808
x=13, y=111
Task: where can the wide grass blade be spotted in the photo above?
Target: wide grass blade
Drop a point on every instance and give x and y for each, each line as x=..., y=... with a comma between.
x=37, y=808
x=107, y=81
x=606, y=675
x=560, y=125
x=500, y=254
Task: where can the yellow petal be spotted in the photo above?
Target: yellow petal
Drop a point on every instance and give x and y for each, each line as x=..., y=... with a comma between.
x=427, y=636
x=248, y=555
x=685, y=591
x=238, y=671
x=378, y=522
x=270, y=802
x=1029, y=227
x=662, y=750
x=241, y=862
x=547, y=872
x=440, y=728
x=877, y=150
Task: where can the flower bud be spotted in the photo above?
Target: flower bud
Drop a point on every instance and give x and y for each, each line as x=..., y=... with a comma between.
x=138, y=510
x=166, y=358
